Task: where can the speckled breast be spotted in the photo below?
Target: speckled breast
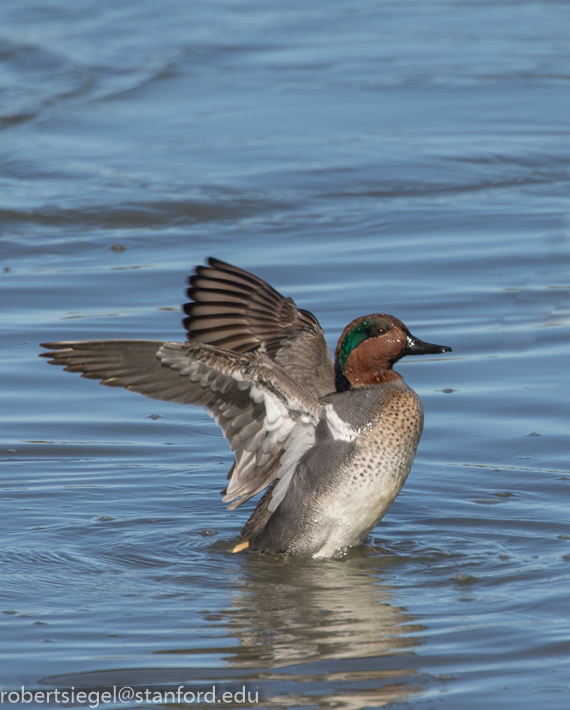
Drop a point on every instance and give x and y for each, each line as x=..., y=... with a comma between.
x=389, y=421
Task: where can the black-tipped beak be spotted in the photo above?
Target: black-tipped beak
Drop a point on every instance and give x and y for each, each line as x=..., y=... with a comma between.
x=415, y=346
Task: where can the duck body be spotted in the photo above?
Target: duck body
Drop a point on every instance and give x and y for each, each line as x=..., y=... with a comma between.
x=333, y=443
x=342, y=489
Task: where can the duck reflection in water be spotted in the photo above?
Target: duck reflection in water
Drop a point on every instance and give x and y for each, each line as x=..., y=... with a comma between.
x=295, y=630
x=323, y=628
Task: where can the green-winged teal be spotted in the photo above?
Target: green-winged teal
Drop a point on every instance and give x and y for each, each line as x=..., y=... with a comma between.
x=334, y=442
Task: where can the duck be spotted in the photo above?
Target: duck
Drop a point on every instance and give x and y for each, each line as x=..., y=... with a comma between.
x=331, y=442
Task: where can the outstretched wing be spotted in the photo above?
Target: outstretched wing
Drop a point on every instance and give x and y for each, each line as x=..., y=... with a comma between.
x=267, y=417
x=237, y=311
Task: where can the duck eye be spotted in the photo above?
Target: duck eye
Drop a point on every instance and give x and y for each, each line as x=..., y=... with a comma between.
x=380, y=330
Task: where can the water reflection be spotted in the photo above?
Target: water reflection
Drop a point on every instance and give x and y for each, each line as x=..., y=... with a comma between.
x=299, y=610
x=307, y=631
x=309, y=618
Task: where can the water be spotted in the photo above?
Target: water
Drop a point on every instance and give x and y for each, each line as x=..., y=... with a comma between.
x=405, y=157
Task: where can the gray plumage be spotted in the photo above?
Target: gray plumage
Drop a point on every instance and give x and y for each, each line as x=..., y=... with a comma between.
x=333, y=460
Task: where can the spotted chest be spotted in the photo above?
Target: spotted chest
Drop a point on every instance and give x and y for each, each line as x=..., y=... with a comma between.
x=387, y=443
x=367, y=484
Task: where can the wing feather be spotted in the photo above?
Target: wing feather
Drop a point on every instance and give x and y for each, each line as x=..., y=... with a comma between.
x=237, y=311
x=268, y=418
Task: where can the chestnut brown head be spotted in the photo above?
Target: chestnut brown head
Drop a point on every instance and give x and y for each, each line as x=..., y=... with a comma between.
x=369, y=347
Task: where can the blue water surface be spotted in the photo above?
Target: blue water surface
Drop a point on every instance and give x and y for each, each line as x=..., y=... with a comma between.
x=405, y=157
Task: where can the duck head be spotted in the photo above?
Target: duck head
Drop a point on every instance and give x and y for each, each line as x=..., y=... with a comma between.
x=369, y=347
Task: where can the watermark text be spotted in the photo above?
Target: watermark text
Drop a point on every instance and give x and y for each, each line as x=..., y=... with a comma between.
x=126, y=694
